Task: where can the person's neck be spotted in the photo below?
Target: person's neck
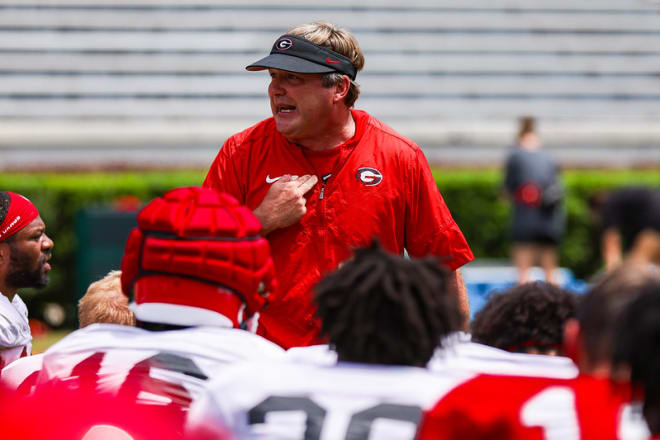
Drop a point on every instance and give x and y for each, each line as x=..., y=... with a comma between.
x=646, y=249
x=602, y=369
x=338, y=131
x=529, y=142
x=10, y=293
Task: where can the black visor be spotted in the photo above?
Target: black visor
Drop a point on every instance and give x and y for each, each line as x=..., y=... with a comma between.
x=295, y=54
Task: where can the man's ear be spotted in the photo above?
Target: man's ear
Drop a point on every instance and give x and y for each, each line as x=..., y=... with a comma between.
x=4, y=256
x=342, y=88
x=573, y=340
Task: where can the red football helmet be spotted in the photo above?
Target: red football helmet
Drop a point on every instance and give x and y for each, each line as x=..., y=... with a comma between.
x=197, y=258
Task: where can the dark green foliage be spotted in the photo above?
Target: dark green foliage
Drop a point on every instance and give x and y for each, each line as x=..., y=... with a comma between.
x=480, y=208
x=59, y=197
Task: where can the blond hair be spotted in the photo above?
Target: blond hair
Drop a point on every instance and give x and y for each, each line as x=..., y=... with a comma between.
x=339, y=40
x=105, y=302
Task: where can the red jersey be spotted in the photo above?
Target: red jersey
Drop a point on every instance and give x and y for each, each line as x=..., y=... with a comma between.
x=534, y=408
x=379, y=187
x=58, y=412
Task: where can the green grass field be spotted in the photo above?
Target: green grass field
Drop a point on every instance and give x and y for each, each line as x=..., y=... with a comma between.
x=41, y=343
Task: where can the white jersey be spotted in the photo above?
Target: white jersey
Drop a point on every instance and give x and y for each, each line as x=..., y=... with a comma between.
x=312, y=354
x=296, y=401
x=15, y=336
x=116, y=358
x=460, y=354
x=21, y=375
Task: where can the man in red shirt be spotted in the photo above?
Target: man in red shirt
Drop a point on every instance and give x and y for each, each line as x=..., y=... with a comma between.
x=590, y=406
x=325, y=179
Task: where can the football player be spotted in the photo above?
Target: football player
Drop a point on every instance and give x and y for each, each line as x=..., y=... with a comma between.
x=637, y=350
x=590, y=406
x=103, y=301
x=384, y=315
x=527, y=318
x=199, y=270
x=25, y=251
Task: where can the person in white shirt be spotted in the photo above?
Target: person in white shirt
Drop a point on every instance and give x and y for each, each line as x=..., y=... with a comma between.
x=384, y=315
x=200, y=272
x=103, y=301
x=25, y=250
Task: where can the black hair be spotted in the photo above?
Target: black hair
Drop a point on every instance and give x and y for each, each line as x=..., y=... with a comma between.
x=601, y=307
x=527, y=124
x=159, y=326
x=5, y=201
x=527, y=317
x=637, y=346
x=383, y=309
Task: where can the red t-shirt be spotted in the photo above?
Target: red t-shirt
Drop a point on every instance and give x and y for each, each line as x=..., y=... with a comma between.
x=380, y=187
x=532, y=408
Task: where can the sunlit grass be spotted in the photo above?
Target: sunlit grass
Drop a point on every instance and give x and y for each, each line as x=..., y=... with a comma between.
x=41, y=343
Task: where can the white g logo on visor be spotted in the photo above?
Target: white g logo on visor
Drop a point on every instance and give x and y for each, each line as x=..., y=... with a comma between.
x=284, y=44
x=369, y=176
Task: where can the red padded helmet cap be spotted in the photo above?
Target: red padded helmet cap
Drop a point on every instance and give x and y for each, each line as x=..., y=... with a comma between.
x=199, y=234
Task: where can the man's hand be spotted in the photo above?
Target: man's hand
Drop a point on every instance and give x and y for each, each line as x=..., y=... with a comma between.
x=284, y=203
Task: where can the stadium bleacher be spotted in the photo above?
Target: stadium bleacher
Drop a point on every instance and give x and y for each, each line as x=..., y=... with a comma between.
x=108, y=82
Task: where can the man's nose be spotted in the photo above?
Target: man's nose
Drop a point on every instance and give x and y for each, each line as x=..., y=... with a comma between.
x=47, y=243
x=276, y=87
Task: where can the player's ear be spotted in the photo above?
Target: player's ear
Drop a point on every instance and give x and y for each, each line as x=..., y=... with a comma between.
x=573, y=340
x=4, y=255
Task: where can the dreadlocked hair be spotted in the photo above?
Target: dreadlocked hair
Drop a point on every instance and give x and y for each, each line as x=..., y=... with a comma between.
x=637, y=347
x=528, y=317
x=379, y=308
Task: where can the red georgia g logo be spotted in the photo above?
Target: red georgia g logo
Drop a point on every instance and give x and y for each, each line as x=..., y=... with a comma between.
x=284, y=44
x=369, y=176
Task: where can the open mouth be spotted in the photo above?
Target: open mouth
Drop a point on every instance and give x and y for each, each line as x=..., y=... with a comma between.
x=46, y=264
x=286, y=108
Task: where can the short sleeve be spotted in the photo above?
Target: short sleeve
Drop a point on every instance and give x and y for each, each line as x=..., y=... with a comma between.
x=226, y=172
x=14, y=328
x=430, y=228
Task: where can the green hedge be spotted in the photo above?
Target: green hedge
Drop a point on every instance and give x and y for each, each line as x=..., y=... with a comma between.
x=473, y=196
x=477, y=203
x=59, y=197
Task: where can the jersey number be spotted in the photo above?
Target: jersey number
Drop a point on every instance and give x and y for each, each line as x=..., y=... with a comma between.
x=359, y=425
x=138, y=378
x=554, y=410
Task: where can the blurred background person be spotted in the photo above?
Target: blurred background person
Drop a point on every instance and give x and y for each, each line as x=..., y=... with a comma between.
x=532, y=183
x=630, y=219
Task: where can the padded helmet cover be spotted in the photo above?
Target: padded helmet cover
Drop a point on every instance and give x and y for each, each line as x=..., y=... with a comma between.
x=199, y=234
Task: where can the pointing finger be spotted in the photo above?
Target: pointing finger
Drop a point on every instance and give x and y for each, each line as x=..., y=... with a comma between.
x=307, y=182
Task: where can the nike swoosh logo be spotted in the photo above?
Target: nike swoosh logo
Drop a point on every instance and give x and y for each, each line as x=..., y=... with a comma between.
x=274, y=179
x=328, y=60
